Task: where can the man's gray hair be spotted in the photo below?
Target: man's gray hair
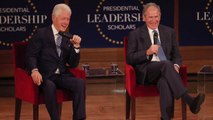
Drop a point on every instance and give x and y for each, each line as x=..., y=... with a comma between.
x=146, y=6
x=60, y=7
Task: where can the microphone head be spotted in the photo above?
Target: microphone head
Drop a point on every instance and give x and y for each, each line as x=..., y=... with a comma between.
x=65, y=34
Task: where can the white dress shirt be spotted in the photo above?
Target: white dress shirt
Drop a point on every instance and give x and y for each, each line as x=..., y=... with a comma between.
x=151, y=33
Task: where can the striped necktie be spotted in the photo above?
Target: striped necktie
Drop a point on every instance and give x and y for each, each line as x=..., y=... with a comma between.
x=58, y=44
x=160, y=54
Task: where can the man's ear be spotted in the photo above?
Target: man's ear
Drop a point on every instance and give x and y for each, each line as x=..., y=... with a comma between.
x=53, y=17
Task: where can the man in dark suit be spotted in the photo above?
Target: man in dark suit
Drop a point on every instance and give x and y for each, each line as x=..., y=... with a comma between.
x=153, y=52
x=48, y=54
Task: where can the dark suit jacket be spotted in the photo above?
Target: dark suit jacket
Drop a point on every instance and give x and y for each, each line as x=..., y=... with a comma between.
x=139, y=41
x=42, y=54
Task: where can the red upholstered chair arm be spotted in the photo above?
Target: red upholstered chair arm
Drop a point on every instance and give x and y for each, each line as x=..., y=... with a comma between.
x=183, y=74
x=25, y=89
x=130, y=79
x=78, y=73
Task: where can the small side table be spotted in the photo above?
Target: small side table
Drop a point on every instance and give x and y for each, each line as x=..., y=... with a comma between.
x=205, y=85
x=103, y=82
x=103, y=72
x=103, y=76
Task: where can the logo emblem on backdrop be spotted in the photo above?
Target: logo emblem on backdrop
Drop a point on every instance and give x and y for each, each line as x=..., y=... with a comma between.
x=19, y=20
x=114, y=18
x=207, y=16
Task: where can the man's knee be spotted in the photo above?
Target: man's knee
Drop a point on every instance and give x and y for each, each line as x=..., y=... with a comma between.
x=49, y=86
x=167, y=65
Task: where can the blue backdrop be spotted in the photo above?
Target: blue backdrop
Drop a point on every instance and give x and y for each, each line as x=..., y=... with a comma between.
x=196, y=22
x=104, y=23
x=100, y=23
x=19, y=19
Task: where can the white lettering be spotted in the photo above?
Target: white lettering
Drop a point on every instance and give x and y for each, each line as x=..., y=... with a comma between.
x=120, y=8
x=13, y=29
x=22, y=19
x=204, y=16
x=122, y=27
x=14, y=10
x=110, y=18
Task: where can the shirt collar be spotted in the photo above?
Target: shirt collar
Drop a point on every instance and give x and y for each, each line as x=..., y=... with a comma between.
x=54, y=30
x=151, y=30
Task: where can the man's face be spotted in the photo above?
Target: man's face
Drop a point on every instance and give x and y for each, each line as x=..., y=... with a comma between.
x=152, y=17
x=61, y=22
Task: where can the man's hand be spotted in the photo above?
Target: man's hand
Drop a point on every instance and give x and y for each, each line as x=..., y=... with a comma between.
x=37, y=78
x=76, y=40
x=153, y=49
x=176, y=68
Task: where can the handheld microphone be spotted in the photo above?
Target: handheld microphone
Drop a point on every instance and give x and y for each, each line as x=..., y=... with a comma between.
x=65, y=34
x=155, y=37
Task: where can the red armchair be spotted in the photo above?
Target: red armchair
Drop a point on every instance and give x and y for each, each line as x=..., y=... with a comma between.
x=134, y=90
x=26, y=90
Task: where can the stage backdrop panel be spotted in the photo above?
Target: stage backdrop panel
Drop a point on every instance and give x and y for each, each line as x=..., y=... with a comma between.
x=196, y=22
x=100, y=23
x=19, y=19
x=104, y=23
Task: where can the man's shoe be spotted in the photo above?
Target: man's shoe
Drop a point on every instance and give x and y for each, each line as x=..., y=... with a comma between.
x=195, y=106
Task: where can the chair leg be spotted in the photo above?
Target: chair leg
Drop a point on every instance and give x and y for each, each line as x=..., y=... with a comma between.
x=60, y=109
x=184, y=112
x=132, y=100
x=127, y=105
x=18, y=104
x=172, y=109
x=35, y=112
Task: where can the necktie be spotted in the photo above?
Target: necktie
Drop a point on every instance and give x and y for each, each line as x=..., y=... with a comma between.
x=160, y=53
x=58, y=44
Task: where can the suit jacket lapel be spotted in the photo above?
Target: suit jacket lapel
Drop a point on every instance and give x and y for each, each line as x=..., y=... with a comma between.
x=162, y=38
x=63, y=45
x=52, y=41
x=145, y=35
